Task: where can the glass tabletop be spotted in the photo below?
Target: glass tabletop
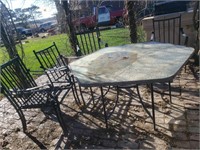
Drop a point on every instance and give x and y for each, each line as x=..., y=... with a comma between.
x=133, y=63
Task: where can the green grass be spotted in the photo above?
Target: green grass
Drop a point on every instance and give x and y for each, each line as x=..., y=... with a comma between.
x=41, y=43
x=38, y=44
x=113, y=37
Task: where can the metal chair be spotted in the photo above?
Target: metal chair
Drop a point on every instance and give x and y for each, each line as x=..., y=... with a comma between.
x=55, y=67
x=53, y=63
x=169, y=30
x=88, y=41
x=21, y=90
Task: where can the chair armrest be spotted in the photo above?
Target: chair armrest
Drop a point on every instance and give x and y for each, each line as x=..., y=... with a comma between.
x=57, y=69
x=71, y=58
x=47, y=88
x=40, y=88
x=102, y=42
x=44, y=86
x=185, y=36
x=65, y=74
x=152, y=36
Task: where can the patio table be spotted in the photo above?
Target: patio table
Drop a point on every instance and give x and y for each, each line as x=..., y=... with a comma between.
x=141, y=63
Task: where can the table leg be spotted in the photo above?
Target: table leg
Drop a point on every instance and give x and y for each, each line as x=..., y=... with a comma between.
x=81, y=93
x=92, y=94
x=170, y=92
x=153, y=109
x=143, y=105
x=104, y=107
x=74, y=91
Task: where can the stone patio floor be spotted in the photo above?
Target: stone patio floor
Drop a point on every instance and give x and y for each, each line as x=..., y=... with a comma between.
x=130, y=127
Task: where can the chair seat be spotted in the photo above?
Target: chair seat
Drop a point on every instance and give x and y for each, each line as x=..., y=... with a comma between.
x=61, y=68
x=37, y=100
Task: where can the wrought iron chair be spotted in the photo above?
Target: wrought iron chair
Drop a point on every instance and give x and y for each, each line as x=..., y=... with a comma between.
x=55, y=67
x=169, y=30
x=21, y=90
x=89, y=41
x=53, y=63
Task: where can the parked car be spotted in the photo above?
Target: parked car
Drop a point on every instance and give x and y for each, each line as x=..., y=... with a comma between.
x=23, y=31
x=103, y=16
x=47, y=26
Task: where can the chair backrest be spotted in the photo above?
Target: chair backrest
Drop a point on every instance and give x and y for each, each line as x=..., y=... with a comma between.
x=51, y=60
x=88, y=41
x=15, y=77
x=167, y=30
x=50, y=57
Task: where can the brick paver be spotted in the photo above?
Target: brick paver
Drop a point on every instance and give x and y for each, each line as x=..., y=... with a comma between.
x=129, y=126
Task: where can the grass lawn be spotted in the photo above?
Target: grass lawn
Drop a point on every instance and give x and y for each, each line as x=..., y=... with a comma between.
x=113, y=37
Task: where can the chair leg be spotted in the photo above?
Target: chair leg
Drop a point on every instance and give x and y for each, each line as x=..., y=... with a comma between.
x=75, y=94
x=153, y=108
x=81, y=95
x=152, y=116
x=92, y=95
x=23, y=120
x=21, y=116
x=74, y=90
x=104, y=108
x=60, y=118
x=170, y=94
x=140, y=98
x=180, y=85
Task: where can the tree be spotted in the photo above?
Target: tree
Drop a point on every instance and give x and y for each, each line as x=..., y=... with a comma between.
x=195, y=19
x=132, y=20
x=7, y=28
x=33, y=13
x=60, y=16
x=72, y=36
x=133, y=7
x=20, y=17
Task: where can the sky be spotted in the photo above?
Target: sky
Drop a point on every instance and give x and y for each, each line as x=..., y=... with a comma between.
x=46, y=9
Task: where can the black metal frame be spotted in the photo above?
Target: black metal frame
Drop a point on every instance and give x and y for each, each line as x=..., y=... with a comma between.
x=88, y=41
x=107, y=116
x=151, y=115
x=19, y=87
x=53, y=63
x=164, y=26
x=56, y=68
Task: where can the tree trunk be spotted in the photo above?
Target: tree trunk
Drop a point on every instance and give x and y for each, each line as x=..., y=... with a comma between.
x=61, y=16
x=7, y=26
x=72, y=36
x=8, y=43
x=132, y=20
x=196, y=24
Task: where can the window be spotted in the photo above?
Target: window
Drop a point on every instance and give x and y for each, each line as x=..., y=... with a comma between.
x=103, y=10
